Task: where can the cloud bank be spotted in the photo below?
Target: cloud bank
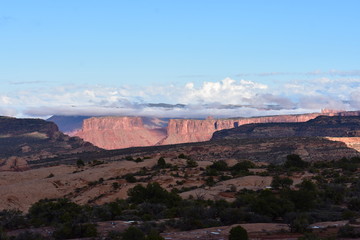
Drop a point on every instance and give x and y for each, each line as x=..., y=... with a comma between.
x=224, y=98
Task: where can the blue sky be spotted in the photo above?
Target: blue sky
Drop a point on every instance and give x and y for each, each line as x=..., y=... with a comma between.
x=115, y=57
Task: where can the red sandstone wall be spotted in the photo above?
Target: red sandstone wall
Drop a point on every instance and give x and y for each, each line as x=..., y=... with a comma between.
x=123, y=132
x=119, y=132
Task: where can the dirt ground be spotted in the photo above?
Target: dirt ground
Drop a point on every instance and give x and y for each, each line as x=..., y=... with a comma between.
x=19, y=190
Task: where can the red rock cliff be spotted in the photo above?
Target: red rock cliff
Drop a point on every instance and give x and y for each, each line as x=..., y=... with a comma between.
x=119, y=132
x=123, y=132
x=188, y=130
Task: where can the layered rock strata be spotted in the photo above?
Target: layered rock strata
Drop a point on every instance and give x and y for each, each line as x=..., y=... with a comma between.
x=120, y=132
x=123, y=132
x=189, y=130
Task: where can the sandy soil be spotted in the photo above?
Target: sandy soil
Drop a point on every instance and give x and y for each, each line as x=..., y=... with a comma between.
x=248, y=182
x=19, y=190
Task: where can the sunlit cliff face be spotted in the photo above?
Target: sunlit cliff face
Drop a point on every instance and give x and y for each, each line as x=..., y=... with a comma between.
x=123, y=132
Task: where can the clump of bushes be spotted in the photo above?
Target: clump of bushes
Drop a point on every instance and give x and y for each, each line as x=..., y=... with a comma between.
x=190, y=163
x=130, y=178
x=70, y=230
x=161, y=163
x=152, y=193
x=238, y=233
x=294, y=161
x=80, y=163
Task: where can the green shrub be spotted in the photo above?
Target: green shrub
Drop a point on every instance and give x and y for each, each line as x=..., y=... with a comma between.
x=312, y=236
x=348, y=231
x=300, y=223
x=267, y=203
x=3, y=235
x=295, y=161
x=50, y=212
x=27, y=235
x=211, y=172
x=12, y=219
x=219, y=166
x=230, y=216
x=96, y=162
x=225, y=177
x=302, y=199
x=238, y=233
x=129, y=158
x=354, y=204
x=281, y=182
x=334, y=192
x=133, y=233
x=80, y=163
x=114, y=235
x=70, y=230
x=183, y=156
x=115, y=185
x=50, y=175
x=210, y=181
x=190, y=163
x=153, y=235
x=242, y=166
x=161, y=163
x=152, y=193
x=130, y=178
x=110, y=211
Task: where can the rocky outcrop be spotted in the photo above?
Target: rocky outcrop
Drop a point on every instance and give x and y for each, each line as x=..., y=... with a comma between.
x=188, y=130
x=23, y=140
x=16, y=127
x=322, y=126
x=351, y=142
x=122, y=132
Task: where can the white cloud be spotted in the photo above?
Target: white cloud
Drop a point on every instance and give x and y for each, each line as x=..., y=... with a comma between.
x=320, y=102
x=227, y=91
x=224, y=98
x=5, y=100
x=191, y=111
x=355, y=98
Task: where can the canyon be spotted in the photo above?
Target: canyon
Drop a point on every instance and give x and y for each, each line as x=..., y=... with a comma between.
x=33, y=143
x=59, y=166
x=123, y=132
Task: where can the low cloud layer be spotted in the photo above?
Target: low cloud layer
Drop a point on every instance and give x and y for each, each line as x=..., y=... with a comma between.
x=224, y=98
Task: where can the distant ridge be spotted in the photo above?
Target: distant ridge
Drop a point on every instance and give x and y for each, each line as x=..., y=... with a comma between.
x=321, y=126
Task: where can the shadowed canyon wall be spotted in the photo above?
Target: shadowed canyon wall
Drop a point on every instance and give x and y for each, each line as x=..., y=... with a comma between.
x=23, y=140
